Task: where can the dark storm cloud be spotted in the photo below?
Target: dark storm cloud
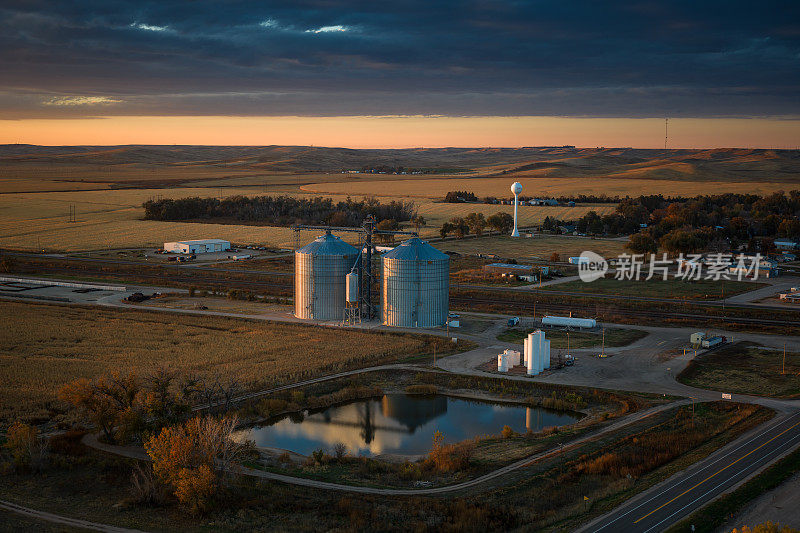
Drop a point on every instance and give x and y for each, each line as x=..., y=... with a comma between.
x=354, y=58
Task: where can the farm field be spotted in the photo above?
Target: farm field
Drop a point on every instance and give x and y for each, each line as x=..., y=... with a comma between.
x=107, y=185
x=43, y=347
x=547, y=186
x=113, y=219
x=745, y=369
x=438, y=213
x=659, y=288
x=539, y=247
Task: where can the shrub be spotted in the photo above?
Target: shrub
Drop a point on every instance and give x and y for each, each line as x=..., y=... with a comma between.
x=185, y=456
x=766, y=527
x=449, y=457
x=27, y=450
x=145, y=488
x=339, y=450
x=507, y=432
x=68, y=443
x=195, y=487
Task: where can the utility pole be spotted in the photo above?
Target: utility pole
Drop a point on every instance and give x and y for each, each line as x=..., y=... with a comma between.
x=783, y=366
x=603, y=354
x=666, y=131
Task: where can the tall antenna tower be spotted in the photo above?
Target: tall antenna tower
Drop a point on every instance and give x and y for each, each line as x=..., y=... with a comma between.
x=666, y=131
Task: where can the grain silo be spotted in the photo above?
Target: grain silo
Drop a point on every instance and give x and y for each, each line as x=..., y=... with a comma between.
x=320, y=270
x=415, y=286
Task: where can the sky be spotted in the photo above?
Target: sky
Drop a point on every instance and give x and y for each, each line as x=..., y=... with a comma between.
x=401, y=73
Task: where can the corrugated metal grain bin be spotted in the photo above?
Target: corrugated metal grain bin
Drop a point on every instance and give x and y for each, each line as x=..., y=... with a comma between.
x=415, y=286
x=320, y=273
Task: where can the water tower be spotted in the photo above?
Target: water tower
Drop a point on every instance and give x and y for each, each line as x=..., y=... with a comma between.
x=516, y=188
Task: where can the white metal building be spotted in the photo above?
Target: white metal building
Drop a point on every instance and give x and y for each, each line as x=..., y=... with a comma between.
x=197, y=247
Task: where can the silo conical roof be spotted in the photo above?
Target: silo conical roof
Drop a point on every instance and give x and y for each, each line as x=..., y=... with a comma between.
x=328, y=244
x=416, y=249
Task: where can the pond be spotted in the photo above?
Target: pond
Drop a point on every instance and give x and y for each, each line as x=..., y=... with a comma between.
x=400, y=424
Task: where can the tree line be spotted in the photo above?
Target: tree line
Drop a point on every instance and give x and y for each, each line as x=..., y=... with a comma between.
x=476, y=223
x=708, y=222
x=279, y=210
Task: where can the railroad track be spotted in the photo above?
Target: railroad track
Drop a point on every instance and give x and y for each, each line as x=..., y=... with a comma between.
x=543, y=308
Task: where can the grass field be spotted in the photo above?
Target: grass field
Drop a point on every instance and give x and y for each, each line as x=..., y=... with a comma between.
x=614, y=337
x=43, y=347
x=107, y=185
x=659, y=288
x=113, y=218
x=538, y=247
x=438, y=213
x=547, y=186
x=746, y=369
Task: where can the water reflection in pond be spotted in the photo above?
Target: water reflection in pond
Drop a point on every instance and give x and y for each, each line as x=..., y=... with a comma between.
x=399, y=423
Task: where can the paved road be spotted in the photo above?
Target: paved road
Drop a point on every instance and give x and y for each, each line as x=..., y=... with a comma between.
x=667, y=503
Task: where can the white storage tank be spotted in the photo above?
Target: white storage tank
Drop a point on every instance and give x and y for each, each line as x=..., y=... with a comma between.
x=546, y=353
x=568, y=321
x=415, y=286
x=320, y=273
x=502, y=362
x=532, y=357
x=351, y=283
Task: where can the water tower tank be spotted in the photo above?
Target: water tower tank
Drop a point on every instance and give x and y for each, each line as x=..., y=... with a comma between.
x=320, y=270
x=415, y=286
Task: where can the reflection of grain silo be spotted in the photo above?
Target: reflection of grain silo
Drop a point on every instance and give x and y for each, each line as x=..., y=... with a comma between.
x=320, y=270
x=415, y=286
x=413, y=411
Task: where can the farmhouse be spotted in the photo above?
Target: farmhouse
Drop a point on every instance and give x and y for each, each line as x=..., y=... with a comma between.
x=197, y=247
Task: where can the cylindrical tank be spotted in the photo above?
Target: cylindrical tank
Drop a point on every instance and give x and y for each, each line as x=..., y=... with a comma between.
x=351, y=283
x=320, y=270
x=415, y=286
x=569, y=321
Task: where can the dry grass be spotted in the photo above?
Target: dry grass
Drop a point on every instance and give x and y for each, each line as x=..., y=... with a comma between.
x=545, y=186
x=437, y=213
x=43, y=347
x=37, y=189
x=746, y=369
x=113, y=219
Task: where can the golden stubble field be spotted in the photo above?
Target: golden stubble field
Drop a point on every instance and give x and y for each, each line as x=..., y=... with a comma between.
x=548, y=187
x=111, y=219
x=45, y=346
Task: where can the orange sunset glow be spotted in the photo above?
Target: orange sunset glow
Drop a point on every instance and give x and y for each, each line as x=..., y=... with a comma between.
x=404, y=131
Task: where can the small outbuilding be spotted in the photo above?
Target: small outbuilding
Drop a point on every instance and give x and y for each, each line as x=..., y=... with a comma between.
x=197, y=247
